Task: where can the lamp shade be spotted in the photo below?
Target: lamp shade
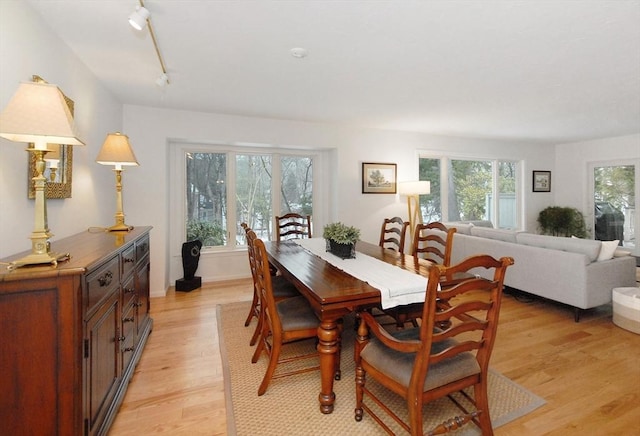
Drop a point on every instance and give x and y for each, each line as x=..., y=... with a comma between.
x=138, y=19
x=117, y=151
x=38, y=113
x=414, y=188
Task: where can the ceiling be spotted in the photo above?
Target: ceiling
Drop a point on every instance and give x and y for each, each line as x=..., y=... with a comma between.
x=544, y=71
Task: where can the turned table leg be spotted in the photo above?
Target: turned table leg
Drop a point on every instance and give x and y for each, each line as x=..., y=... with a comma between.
x=328, y=346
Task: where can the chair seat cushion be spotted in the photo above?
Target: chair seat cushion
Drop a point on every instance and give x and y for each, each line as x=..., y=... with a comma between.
x=283, y=288
x=399, y=365
x=296, y=314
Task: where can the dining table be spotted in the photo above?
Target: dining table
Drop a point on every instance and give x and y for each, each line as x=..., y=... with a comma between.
x=333, y=294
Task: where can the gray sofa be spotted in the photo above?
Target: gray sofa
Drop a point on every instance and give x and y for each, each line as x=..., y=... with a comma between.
x=567, y=270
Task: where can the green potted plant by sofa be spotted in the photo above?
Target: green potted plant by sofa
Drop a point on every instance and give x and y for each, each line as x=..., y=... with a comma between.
x=562, y=221
x=341, y=239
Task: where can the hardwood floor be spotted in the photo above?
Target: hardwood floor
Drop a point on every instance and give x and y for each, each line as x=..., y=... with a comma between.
x=588, y=372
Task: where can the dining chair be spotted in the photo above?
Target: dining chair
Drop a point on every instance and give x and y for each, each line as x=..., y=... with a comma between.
x=283, y=322
x=293, y=225
x=425, y=363
x=434, y=242
x=392, y=233
x=282, y=288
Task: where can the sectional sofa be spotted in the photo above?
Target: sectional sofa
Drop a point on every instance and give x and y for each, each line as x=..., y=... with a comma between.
x=578, y=272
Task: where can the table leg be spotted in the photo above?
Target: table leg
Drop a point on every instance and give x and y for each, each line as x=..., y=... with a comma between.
x=328, y=347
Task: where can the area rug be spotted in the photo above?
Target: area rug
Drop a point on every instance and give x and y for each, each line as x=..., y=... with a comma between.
x=290, y=405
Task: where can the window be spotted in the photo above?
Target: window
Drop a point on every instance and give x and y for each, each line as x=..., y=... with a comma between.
x=470, y=189
x=614, y=201
x=262, y=183
x=296, y=186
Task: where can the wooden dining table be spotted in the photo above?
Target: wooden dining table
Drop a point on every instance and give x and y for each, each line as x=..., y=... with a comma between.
x=333, y=294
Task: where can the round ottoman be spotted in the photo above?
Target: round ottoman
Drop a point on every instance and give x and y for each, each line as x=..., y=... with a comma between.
x=626, y=308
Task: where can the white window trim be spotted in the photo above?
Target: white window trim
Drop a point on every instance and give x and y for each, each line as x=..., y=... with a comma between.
x=177, y=180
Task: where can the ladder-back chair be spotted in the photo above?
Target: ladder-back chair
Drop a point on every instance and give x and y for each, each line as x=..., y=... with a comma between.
x=392, y=234
x=426, y=363
x=293, y=225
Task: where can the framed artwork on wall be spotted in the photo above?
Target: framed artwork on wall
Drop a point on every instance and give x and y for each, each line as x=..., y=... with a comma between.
x=542, y=181
x=379, y=178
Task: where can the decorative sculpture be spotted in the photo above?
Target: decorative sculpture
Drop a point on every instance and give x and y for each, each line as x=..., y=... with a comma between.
x=190, y=259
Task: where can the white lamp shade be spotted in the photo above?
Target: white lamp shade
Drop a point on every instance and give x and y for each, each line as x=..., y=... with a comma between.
x=138, y=19
x=117, y=151
x=414, y=188
x=38, y=113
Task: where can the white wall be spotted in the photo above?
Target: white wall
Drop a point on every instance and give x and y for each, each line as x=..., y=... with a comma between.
x=147, y=189
x=28, y=47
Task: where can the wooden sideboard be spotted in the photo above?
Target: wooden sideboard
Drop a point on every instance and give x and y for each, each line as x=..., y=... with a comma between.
x=72, y=334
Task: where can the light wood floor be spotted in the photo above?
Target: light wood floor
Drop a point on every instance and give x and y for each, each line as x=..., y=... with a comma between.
x=588, y=372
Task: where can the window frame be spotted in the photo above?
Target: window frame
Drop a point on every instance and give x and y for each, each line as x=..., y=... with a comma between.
x=177, y=191
x=445, y=158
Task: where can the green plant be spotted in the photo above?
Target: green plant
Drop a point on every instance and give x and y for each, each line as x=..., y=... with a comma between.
x=341, y=233
x=208, y=233
x=562, y=221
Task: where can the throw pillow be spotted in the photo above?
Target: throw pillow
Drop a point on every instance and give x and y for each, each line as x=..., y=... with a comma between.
x=621, y=253
x=607, y=249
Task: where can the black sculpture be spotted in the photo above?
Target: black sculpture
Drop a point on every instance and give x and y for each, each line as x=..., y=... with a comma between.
x=190, y=259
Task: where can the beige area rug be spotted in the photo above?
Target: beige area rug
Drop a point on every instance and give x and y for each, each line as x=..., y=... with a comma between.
x=290, y=405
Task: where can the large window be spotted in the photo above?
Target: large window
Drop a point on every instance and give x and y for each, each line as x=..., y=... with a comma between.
x=470, y=189
x=614, y=197
x=225, y=189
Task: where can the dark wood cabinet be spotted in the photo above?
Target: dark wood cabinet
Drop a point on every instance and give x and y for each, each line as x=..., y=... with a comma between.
x=73, y=333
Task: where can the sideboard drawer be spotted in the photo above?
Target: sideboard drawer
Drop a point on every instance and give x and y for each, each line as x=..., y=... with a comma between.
x=128, y=260
x=142, y=247
x=100, y=284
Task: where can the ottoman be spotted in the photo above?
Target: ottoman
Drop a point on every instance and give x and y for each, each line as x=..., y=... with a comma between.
x=626, y=308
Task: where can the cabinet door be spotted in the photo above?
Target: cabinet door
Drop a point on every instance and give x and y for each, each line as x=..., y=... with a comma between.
x=102, y=356
x=142, y=291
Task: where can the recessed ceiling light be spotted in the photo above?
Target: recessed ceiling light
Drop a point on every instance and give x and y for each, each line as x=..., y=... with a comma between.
x=299, y=53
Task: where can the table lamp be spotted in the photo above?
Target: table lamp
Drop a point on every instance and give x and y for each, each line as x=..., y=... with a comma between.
x=413, y=190
x=117, y=151
x=38, y=114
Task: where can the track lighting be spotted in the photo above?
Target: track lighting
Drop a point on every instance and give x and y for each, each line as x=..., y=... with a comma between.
x=163, y=80
x=138, y=19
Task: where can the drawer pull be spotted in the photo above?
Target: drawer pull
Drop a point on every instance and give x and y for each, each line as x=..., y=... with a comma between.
x=106, y=279
x=121, y=338
x=128, y=349
x=129, y=290
x=128, y=259
x=128, y=319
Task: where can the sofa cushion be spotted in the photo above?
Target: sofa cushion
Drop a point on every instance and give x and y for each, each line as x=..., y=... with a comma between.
x=588, y=247
x=607, y=250
x=462, y=228
x=497, y=234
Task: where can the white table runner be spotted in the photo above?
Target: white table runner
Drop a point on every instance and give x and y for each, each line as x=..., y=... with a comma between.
x=397, y=286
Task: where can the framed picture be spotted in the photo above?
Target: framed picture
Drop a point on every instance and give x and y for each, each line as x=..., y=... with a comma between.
x=379, y=178
x=542, y=181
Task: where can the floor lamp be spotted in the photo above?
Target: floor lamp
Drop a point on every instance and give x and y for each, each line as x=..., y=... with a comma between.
x=117, y=151
x=38, y=114
x=413, y=191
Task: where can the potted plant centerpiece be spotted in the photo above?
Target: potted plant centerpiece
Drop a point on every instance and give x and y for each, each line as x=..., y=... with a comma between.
x=341, y=239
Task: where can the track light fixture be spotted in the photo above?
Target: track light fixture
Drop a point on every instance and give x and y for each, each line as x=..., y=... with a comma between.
x=140, y=18
x=162, y=80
